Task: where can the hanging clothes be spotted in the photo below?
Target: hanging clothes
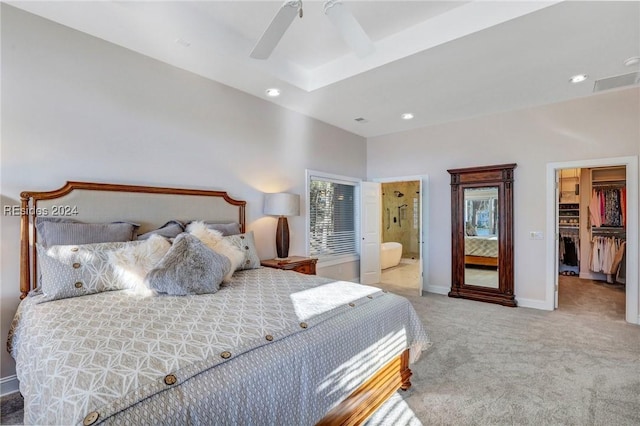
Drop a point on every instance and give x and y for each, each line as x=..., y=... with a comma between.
x=623, y=205
x=607, y=207
x=594, y=209
x=617, y=258
x=569, y=248
x=571, y=254
x=607, y=254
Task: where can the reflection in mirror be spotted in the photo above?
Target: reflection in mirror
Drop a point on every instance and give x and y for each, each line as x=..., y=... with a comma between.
x=481, y=236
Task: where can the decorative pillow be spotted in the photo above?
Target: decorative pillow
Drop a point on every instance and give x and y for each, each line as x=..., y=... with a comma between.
x=246, y=243
x=77, y=270
x=133, y=262
x=232, y=228
x=58, y=231
x=214, y=240
x=189, y=267
x=470, y=230
x=170, y=229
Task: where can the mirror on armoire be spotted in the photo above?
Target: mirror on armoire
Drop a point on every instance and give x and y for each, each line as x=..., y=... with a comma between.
x=482, y=234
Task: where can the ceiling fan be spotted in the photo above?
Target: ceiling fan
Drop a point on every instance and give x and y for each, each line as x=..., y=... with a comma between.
x=339, y=15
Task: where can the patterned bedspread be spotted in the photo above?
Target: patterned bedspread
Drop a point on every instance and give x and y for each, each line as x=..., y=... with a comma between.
x=481, y=246
x=271, y=347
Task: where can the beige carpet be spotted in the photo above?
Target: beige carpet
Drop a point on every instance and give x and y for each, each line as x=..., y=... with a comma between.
x=492, y=365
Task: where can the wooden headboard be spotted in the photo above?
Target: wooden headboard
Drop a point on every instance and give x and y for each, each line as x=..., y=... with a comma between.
x=149, y=206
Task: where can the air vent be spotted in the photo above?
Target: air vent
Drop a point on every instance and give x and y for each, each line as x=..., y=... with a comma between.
x=361, y=120
x=617, y=81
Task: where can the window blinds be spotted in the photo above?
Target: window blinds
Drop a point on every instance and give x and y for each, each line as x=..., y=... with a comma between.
x=332, y=230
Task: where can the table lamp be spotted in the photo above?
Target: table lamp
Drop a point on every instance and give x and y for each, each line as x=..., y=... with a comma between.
x=282, y=205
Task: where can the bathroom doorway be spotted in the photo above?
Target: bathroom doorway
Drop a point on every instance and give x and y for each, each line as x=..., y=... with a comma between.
x=401, y=252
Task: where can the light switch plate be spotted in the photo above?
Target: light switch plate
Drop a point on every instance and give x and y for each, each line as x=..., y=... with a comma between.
x=536, y=235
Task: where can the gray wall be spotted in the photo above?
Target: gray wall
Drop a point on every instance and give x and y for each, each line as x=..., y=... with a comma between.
x=600, y=126
x=77, y=108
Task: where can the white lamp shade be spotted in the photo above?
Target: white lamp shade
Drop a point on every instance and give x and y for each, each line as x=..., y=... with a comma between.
x=282, y=204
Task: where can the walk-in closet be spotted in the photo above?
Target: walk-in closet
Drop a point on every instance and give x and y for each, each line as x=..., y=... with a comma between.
x=592, y=239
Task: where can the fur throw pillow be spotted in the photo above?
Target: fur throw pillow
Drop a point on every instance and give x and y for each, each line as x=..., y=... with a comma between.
x=133, y=262
x=216, y=242
x=189, y=267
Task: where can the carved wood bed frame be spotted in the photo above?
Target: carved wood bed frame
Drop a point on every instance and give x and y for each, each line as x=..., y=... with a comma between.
x=480, y=260
x=354, y=410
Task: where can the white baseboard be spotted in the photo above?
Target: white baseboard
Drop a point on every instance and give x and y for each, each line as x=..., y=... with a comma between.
x=436, y=289
x=524, y=303
x=9, y=385
x=532, y=303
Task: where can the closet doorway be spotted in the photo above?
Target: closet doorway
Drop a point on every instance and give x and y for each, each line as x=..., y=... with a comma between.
x=592, y=211
x=591, y=241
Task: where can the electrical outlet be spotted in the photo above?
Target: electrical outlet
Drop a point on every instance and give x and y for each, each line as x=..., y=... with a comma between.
x=536, y=235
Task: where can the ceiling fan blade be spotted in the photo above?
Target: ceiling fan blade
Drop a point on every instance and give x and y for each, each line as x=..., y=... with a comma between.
x=349, y=28
x=275, y=30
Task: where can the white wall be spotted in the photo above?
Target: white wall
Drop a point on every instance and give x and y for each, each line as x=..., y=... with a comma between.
x=77, y=108
x=600, y=126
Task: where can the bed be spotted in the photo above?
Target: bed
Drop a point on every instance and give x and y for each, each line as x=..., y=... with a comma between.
x=269, y=347
x=481, y=250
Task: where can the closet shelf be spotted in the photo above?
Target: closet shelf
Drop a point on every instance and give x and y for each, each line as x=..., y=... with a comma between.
x=611, y=183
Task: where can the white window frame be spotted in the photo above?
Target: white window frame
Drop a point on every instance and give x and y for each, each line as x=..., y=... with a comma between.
x=347, y=180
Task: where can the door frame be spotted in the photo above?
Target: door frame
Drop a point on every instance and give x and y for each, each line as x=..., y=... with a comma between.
x=631, y=164
x=423, y=206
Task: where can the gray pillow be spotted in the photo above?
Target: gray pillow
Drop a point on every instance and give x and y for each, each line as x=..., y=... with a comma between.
x=170, y=229
x=58, y=231
x=470, y=230
x=70, y=271
x=246, y=243
x=232, y=228
x=189, y=267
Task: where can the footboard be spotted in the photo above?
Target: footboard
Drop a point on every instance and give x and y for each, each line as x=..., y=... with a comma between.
x=365, y=400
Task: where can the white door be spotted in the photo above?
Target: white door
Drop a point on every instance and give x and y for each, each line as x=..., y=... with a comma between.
x=370, y=208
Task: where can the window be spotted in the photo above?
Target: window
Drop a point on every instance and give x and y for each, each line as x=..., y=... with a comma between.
x=332, y=221
x=481, y=211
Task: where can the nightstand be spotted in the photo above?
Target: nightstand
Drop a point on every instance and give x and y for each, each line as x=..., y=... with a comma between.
x=305, y=265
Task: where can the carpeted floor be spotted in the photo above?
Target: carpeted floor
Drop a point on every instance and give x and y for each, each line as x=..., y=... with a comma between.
x=491, y=365
x=11, y=409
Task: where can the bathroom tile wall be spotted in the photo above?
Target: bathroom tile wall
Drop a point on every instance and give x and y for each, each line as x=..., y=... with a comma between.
x=400, y=216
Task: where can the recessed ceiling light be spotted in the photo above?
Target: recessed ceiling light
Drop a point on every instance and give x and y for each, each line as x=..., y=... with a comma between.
x=634, y=60
x=579, y=78
x=407, y=116
x=273, y=92
x=182, y=42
